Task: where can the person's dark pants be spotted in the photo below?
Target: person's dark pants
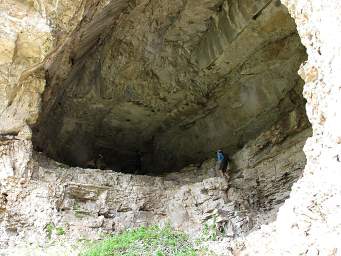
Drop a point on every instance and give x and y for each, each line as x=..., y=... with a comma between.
x=221, y=167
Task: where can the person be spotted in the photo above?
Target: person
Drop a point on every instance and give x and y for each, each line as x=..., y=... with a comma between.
x=100, y=163
x=222, y=164
x=138, y=164
x=96, y=162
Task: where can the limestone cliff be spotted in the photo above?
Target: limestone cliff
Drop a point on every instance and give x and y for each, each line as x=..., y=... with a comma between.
x=167, y=77
x=152, y=86
x=87, y=203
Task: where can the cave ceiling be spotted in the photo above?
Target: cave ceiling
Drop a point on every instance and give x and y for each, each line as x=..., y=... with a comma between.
x=172, y=80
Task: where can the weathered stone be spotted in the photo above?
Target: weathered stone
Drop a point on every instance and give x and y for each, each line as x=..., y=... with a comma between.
x=15, y=157
x=168, y=84
x=207, y=71
x=86, y=202
x=307, y=223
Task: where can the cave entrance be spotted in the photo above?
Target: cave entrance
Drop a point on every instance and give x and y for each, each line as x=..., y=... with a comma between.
x=149, y=99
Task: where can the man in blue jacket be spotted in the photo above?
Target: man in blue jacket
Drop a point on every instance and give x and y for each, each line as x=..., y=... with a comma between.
x=222, y=164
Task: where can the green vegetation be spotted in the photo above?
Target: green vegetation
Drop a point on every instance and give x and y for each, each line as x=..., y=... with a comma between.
x=78, y=211
x=147, y=241
x=49, y=228
x=209, y=231
x=60, y=231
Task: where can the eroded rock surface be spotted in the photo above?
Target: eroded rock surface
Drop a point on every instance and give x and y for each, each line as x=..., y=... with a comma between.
x=309, y=223
x=158, y=76
x=87, y=203
x=172, y=80
x=24, y=41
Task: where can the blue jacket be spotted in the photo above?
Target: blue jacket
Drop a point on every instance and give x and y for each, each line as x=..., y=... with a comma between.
x=220, y=156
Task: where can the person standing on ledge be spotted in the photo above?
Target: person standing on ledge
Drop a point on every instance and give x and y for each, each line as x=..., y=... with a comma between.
x=222, y=164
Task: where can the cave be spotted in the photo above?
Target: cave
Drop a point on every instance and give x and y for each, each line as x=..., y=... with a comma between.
x=151, y=99
x=93, y=92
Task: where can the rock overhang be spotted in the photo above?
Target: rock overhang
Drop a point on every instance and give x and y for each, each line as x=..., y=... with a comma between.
x=164, y=86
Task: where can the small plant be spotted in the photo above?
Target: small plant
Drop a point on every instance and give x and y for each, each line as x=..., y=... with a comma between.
x=49, y=229
x=78, y=211
x=60, y=231
x=209, y=231
x=76, y=207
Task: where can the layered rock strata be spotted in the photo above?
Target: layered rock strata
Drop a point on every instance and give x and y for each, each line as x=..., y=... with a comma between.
x=310, y=217
x=86, y=203
x=308, y=223
x=172, y=80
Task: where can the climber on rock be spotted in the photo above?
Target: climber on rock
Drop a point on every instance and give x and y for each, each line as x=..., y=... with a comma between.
x=222, y=165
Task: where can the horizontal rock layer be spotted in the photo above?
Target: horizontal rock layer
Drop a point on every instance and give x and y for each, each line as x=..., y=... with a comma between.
x=87, y=202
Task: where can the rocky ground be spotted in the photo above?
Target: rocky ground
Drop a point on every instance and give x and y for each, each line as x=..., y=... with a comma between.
x=88, y=203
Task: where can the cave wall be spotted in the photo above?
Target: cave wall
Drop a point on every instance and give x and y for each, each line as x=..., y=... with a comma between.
x=31, y=33
x=310, y=217
x=25, y=40
x=308, y=223
x=87, y=203
x=131, y=79
x=255, y=84
x=29, y=38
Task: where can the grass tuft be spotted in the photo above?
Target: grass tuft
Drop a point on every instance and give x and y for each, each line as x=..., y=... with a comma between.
x=146, y=241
